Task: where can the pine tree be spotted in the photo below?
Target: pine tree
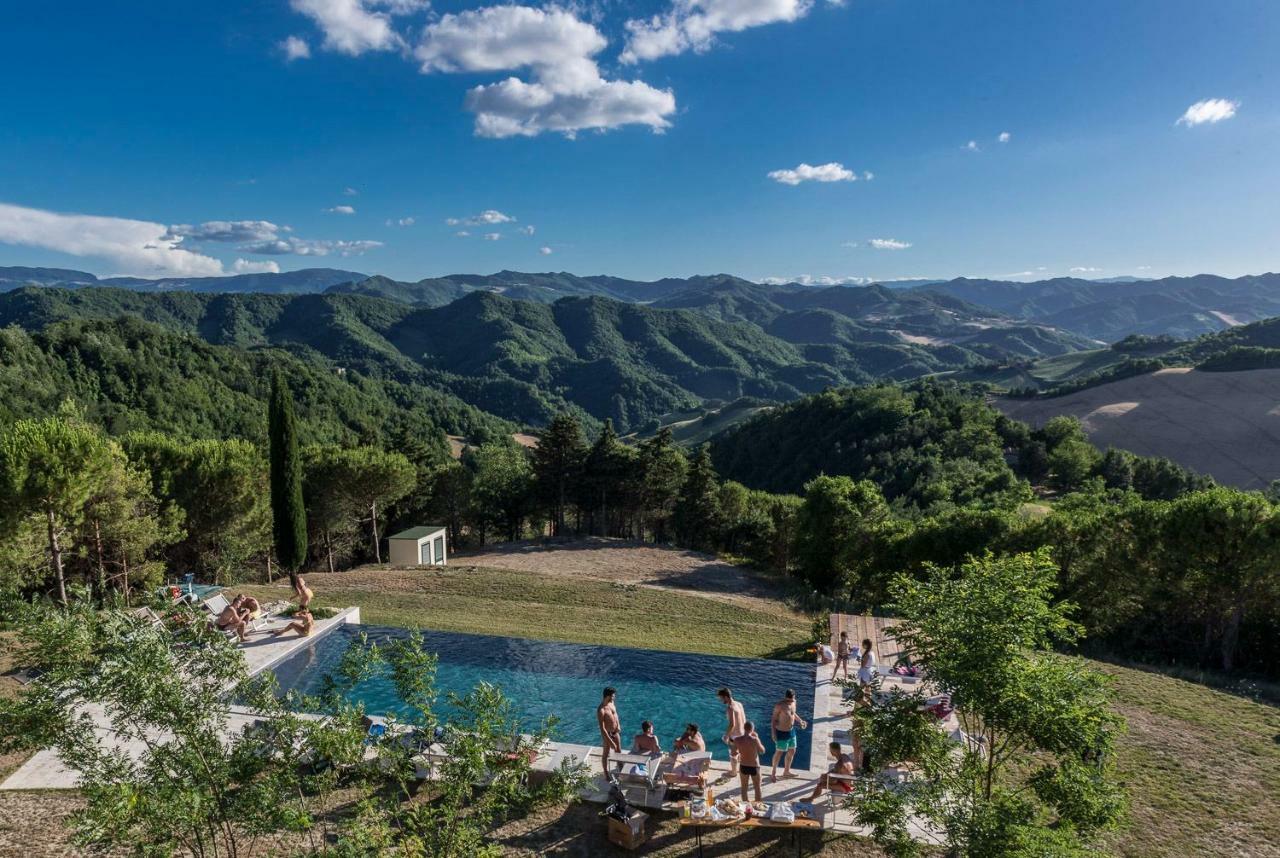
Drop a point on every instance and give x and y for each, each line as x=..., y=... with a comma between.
x=697, y=513
x=662, y=472
x=557, y=464
x=288, y=514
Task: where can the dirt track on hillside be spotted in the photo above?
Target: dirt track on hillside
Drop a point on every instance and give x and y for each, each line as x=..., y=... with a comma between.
x=1225, y=424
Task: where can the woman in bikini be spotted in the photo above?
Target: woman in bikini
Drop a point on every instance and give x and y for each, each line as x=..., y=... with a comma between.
x=303, y=624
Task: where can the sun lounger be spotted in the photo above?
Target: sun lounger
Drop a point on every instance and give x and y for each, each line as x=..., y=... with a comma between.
x=636, y=771
x=689, y=771
x=216, y=604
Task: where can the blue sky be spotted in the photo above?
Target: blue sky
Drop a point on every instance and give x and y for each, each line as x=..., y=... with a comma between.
x=639, y=139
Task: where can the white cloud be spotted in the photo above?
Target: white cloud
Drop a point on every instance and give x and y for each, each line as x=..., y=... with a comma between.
x=404, y=221
x=492, y=236
x=1004, y=137
x=136, y=247
x=544, y=250
x=462, y=233
x=352, y=27
x=818, y=280
x=832, y=172
x=971, y=146
x=888, y=244
x=488, y=216
x=526, y=230
x=246, y=266
x=849, y=244
x=1210, y=110
x=693, y=25
x=1084, y=269
x=868, y=175
x=225, y=230
x=566, y=92
x=350, y=192
x=309, y=247
x=343, y=210
x=295, y=48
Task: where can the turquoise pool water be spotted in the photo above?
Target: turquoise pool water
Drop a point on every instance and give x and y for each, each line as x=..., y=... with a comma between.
x=544, y=678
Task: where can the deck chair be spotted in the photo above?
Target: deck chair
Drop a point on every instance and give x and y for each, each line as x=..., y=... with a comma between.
x=689, y=771
x=218, y=603
x=636, y=771
x=839, y=786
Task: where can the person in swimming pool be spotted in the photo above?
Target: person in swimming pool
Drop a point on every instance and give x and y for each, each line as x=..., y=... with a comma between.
x=610, y=727
x=783, y=724
x=748, y=748
x=843, y=766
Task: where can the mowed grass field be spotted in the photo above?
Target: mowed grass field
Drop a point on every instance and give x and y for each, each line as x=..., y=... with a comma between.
x=526, y=604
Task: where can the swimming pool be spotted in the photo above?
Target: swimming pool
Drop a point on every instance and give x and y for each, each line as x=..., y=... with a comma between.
x=544, y=678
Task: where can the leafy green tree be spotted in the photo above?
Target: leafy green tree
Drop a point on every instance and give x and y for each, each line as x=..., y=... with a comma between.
x=1223, y=546
x=662, y=468
x=1071, y=463
x=331, y=510
x=502, y=486
x=697, y=516
x=377, y=479
x=737, y=517
x=557, y=466
x=1031, y=773
x=288, y=512
x=123, y=529
x=604, y=483
x=842, y=531
x=218, y=491
x=451, y=497
x=52, y=468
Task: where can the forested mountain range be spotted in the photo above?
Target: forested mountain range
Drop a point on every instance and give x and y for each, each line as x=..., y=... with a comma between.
x=1045, y=313
x=525, y=360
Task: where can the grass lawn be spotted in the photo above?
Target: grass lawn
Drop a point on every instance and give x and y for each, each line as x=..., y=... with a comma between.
x=529, y=605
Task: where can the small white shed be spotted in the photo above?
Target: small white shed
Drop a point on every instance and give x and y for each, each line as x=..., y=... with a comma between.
x=418, y=546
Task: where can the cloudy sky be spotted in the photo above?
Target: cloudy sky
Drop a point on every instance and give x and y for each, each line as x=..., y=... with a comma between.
x=822, y=139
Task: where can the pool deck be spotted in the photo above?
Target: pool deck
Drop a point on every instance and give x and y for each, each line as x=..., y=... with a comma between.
x=261, y=651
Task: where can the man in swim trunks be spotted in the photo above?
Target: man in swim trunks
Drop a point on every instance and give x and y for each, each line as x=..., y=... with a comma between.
x=690, y=740
x=747, y=749
x=843, y=766
x=783, y=724
x=737, y=717
x=610, y=727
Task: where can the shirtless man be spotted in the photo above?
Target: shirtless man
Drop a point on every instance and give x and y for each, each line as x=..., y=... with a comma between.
x=748, y=748
x=737, y=718
x=645, y=742
x=690, y=740
x=610, y=728
x=843, y=766
x=305, y=594
x=233, y=618
x=783, y=724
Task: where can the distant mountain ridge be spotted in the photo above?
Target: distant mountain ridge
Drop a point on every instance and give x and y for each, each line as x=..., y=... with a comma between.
x=1061, y=312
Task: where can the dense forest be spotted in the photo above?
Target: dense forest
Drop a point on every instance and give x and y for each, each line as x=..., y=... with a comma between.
x=1163, y=564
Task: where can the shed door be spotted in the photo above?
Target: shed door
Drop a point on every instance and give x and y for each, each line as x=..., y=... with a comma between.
x=424, y=552
x=438, y=547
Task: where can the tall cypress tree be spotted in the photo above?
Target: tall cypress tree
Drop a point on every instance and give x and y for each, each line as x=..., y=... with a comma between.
x=288, y=514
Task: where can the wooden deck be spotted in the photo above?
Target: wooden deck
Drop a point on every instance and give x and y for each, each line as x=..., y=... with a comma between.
x=863, y=627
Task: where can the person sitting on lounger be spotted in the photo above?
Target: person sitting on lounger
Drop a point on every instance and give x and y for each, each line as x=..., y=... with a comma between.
x=690, y=740
x=843, y=766
x=303, y=623
x=645, y=742
x=749, y=748
x=233, y=619
x=250, y=605
x=783, y=724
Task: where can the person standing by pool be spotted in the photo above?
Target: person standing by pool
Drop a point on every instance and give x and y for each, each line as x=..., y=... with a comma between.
x=304, y=593
x=747, y=747
x=737, y=717
x=610, y=727
x=783, y=724
x=842, y=656
x=866, y=664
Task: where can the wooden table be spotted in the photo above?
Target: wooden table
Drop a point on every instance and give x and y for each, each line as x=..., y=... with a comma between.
x=795, y=828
